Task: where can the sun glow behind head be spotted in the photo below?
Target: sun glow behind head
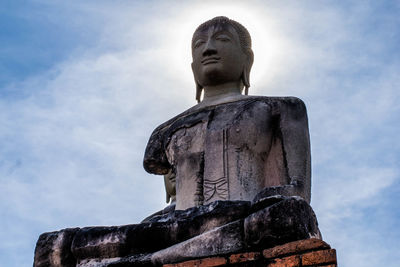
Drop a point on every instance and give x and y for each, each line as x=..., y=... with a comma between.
x=267, y=43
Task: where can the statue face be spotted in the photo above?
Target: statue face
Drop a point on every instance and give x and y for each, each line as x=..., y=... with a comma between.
x=217, y=55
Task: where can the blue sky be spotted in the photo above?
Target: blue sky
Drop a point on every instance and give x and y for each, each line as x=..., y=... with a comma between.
x=83, y=84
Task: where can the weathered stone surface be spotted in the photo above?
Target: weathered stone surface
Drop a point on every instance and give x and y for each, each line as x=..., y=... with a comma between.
x=54, y=249
x=99, y=242
x=288, y=220
x=234, y=150
x=222, y=240
x=295, y=247
x=265, y=201
x=110, y=242
x=273, y=220
x=218, y=210
x=283, y=219
x=162, y=213
x=97, y=262
x=157, y=233
x=142, y=260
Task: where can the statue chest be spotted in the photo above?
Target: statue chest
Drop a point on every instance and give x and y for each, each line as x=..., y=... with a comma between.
x=222, y=155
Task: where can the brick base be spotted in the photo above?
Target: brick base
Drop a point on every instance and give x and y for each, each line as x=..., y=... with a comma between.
x=308, y=252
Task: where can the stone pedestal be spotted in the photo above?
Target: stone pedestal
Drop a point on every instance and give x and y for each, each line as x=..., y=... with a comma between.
x=218, y=232
x=308, y=252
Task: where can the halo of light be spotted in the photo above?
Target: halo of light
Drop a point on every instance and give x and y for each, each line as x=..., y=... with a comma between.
x=269, y=45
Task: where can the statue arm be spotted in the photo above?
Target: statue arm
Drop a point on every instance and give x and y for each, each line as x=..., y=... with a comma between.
x=155, y=160
x=295, y=144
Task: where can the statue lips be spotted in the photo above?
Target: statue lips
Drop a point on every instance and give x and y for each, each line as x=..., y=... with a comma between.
x=210, y=60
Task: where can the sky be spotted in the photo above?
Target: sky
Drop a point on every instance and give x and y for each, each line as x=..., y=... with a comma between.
x=84, y=83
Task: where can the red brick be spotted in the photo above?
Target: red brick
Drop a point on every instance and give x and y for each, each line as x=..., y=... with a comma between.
x=295, y=247
x=319, y=257
x=291, y=261
x=207, y=262
x=244, y=257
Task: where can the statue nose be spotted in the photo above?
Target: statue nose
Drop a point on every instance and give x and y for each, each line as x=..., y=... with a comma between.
x=209, y=48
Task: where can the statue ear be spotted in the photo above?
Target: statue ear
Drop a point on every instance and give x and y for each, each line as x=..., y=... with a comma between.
x=246, y=71
x=199, y=88
x=245, y=79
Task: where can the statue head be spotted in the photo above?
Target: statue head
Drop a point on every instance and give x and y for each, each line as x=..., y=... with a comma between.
x=221, y=52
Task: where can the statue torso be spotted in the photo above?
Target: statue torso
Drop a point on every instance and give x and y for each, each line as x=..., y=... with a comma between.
x=221, y=152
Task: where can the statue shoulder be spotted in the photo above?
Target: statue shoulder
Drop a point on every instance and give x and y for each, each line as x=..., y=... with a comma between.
x=283, y=100
x=293, y=101
x=283, y=104
x=294, y=108
x=155, y=160
x=184, y=118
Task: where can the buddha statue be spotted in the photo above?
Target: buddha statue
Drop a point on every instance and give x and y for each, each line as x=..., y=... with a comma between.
x=231, y=146
x=236, y=171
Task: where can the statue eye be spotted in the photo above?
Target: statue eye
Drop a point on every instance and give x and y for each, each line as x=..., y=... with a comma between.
x=198, y=43
x=223, y=38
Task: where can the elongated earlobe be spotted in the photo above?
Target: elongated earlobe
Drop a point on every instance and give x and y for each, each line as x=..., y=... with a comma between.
x=199, y=88
x=245, y=79
x=246, y=71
